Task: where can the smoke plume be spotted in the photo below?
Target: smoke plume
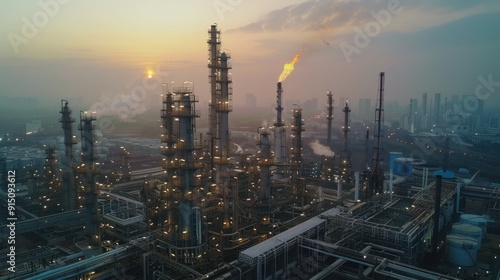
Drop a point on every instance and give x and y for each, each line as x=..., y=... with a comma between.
x=321, y=150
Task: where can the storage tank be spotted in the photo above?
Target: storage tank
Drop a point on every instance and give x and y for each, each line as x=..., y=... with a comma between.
x=475, y=220
x=403, y=166
x=418, y=169
x=461, y=250
x=392, y=157
x=468, y=230
x=446, y=174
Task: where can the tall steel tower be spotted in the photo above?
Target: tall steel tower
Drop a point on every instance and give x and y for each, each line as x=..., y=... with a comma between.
x=222, y=154
x=265, y=160
x=377, y=176
x=296, y=160
x=88, y=168
x=262, y=209
x=345, y=155
x=165, y=217
x=68, y=175
x=213, y=57
x=125, y=166
x=280, y=152
x=53, y=189
x=329, y=118
x=184, y=180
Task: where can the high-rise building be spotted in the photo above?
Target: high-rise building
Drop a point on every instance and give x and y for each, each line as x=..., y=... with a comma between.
x=413, y=116
x=424, y=104
x=437, y=109
x=424, y=118
x=365, y=108
x=368, y=108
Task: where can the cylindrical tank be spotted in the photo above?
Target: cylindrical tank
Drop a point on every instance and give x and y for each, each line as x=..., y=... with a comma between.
x=461, y=250
x=446, y=174
x=475, y=220
x=392, y=157
x=418, y=169
x=468, y=230
x=403, y=166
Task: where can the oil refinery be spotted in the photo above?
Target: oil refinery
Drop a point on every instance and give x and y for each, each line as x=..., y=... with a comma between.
x=274, y=210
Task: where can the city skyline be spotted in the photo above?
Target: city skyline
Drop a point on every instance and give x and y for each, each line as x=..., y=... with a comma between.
x=307, y=139
x=64, y=48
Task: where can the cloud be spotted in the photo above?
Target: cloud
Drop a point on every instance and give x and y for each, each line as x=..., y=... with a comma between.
x=311, y=15
x=332, y=16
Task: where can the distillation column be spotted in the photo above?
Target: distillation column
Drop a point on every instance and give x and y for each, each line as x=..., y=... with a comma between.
x=68, y=175
x=265, y=161
x=296, y=160
x=187, y=238
x=222, y=150
x=167, y=149
x=52, y=194
x=329, y=118
x=279, y=136
x=213, y=57
x=125, y=167
x=345, y=155
x=377, y=176
x=88, y=168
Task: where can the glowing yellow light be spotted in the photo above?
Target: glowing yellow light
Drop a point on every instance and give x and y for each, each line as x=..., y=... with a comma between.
x=288, y=67
x=150, y=74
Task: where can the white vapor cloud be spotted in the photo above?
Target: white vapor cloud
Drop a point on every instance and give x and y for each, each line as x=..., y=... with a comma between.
x=321, y=150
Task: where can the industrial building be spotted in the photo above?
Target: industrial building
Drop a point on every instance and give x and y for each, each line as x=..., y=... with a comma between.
x=206, y=212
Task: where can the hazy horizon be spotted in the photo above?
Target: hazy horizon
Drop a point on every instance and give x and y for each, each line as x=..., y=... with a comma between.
x=100, y=55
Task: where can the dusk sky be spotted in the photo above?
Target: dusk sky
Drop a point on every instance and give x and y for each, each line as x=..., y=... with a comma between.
x=101, y=49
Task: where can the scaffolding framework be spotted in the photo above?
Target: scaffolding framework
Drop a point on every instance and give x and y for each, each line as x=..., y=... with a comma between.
x=298, y=183
x=329, y=118
x=345, y=155
x=69, y=164
x=279, y=128
x=88, y=168
x=185, y=235
x=214, y=44
x=222, y=155
x=377, y=170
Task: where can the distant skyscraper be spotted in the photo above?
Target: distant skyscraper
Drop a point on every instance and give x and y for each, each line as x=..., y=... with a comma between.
x=365, y=108
x=310, y=106
x=290, y=103
x=413, y=118
x=445, y=116
x=424, y=104
x=423, y=116
x=250, y=100
x=437, y=109
x=480, y=112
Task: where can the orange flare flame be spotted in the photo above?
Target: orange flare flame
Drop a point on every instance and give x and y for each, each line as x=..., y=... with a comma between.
x=288, y=67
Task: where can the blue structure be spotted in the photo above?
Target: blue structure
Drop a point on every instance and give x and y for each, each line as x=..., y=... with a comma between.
x=446, y=174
